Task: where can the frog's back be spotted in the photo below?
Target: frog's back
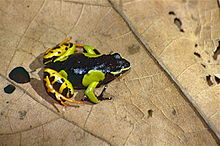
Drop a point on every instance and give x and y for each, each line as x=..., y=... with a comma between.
x=77, y=65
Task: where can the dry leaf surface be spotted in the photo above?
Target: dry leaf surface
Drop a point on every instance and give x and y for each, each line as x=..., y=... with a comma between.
x=147, y=108
x=184, y=37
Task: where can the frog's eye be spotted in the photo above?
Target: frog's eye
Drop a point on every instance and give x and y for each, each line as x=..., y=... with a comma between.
x=117, y=56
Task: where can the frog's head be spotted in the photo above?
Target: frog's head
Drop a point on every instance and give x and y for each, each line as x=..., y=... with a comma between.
x=53, y=53
x=121, y=64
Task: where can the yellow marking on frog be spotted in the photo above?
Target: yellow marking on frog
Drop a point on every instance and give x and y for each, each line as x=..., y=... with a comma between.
x=90, y=92
x=57, y=77
x=92, y=79
x=68, y=94
x=50, y=89
x=89, y=49
x=63, y=73
x=55, y=52
x=93, y=76
x=79, y=45
x=60, y=44
x=91, y=55
x=65, y=56
x=62, y=87
x=58, y=96
x=58, y=50
x=118, y=72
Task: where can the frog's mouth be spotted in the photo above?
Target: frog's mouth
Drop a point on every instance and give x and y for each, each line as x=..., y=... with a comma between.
x=121, y=71
x=122, y=66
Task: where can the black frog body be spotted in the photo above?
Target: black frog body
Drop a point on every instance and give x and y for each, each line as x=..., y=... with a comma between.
x=77, y=65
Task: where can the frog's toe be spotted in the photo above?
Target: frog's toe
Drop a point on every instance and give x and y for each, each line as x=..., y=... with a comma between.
x=100, y=97
x=73, y=101
x=104, y=98
x=65, y=90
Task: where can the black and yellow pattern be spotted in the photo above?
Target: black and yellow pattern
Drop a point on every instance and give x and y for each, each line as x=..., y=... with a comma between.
x=62, y=50
x=59, y=86
x=81, y=66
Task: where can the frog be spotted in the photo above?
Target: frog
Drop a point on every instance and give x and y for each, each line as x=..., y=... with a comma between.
x=70, y=66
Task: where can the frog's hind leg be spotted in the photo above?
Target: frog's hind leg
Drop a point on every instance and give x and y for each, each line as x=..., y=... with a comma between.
x=60, y=44
x=59, y=86
x=51, y=90
x=60, y=52
x=88, y=49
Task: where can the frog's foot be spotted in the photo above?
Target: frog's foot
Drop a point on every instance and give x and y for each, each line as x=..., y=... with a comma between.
x=59, y=86
x=91, y=95
x=106, y=98
x=100, y=97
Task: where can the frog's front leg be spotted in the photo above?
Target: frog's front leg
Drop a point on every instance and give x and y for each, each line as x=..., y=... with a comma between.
x=91, y=80
x=91, y=95
x=90, y=92
x=88, y=49
x=59, y=86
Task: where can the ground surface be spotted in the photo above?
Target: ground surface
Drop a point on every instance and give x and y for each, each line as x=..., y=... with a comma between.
x=171, y=95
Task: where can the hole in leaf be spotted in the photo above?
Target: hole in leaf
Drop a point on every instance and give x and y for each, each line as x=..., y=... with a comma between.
x=217, y=51
x=19, y=75
x=9, y=89
x=150, y=113
x=218, y=1
x=22, y=114
x=171, y=13
x=197, y=54
x=174, y=112
x=208, y=79
x=203, y=65
x=178, y=23
x=196, y=45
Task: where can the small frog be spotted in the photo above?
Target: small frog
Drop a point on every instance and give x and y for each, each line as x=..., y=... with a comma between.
x=67, y=67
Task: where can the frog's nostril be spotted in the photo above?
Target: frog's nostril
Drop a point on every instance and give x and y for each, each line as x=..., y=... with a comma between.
x=127, y=64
